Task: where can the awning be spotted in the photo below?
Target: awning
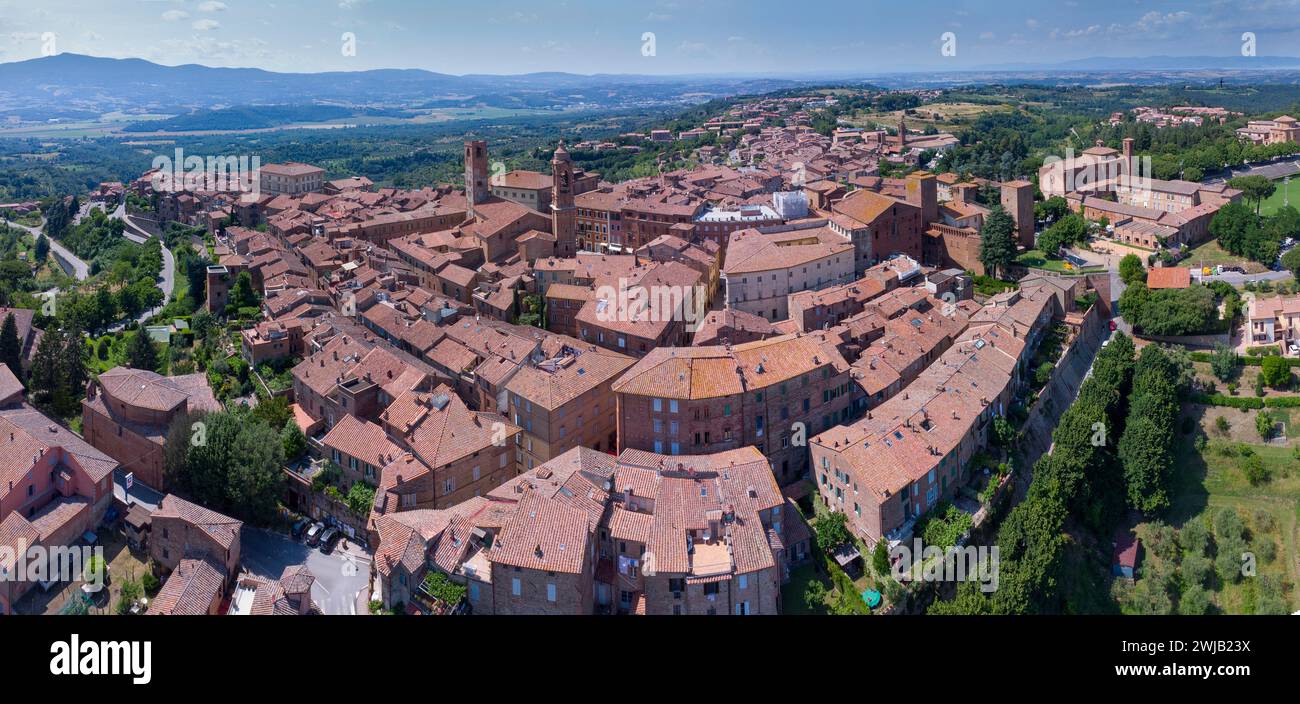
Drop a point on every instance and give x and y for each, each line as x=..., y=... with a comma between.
x=90, y=537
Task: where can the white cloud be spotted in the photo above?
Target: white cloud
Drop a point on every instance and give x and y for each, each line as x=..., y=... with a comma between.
x=174, y=15
x=212, y=6
x=205, y=25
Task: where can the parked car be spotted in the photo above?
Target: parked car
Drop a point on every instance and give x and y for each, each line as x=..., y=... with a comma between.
x=1295, y=349
x=327, y=539
x=314, y=533
x=1113, y=326
x=300, y=526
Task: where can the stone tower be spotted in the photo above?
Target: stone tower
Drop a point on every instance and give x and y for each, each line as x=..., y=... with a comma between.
x=1018, y=201
x=476, y=174
x=902, y=135
x=563, y=213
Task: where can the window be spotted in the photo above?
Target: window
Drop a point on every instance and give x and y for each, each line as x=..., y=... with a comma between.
x=550, y=592
x=514, y=586
x=449, y=486
x=658, y=405
x=474, y=472
x=743, y=581
x=672, y=406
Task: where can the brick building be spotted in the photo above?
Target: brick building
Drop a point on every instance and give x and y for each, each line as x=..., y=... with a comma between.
x=590, y=533
x=128, y=412
x=566, y=401
x=702, y=400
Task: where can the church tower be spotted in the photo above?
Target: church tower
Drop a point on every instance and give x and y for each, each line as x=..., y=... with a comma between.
x=476, y=174
x=902, y=135
x=563, y=213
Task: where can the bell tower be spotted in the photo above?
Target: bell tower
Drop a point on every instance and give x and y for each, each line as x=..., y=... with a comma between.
x=563, y=213
x=476, y=173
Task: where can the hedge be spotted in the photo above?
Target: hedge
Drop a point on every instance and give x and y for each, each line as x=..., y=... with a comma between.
x=1246, y=359
x=1246, y=402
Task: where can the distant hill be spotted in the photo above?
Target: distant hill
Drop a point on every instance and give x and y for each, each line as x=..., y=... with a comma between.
x=1155, y=63
x=88, y=83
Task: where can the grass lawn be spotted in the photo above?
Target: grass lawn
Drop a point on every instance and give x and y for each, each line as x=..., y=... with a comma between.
x=1281, y=196
x=1035, y=259
x=1211, y=254
x=1208, y=481
x=792, y=601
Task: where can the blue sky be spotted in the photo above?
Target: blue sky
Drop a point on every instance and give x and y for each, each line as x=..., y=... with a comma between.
x=605, y=36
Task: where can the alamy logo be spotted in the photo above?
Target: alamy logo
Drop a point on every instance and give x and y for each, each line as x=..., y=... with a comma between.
x=931, y=563
x=59, y=563
x=102, y=658
x=223, y=173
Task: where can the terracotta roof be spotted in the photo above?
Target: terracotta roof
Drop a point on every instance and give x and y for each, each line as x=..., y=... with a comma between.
x=1169, y=277
x=190, y=590
x=222, y=529
x=361, y=439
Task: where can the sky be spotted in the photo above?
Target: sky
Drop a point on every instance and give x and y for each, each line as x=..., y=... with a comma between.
x=766, y=37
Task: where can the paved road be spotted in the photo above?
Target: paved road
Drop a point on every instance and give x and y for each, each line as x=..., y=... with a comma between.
x=139, y=235
x=66, y=259
x=1237, y=279
x=342, y=579
x=1287, y=167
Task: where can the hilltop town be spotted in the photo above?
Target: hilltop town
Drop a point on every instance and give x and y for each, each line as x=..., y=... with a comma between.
x=702, y=391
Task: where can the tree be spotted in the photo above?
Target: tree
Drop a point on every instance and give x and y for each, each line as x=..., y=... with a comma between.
x=275, y=412
x=997, y=242
x=227, y=462
x=1264, y=426
x=1223, y=362
x=880, y=559
x=1276, y=371
x=832, y=532
x=1252, y=466
x=42, y=249
x=1254, y=188
x=1196, y=569
x=1004, y=433
x=141, y=353
x=57, y=379
x=814, y=596
x=1131, y=270
x=1188, y=311
x=130, y=594
x=1233, y=226
x=1065, y=232
x=11, y=348
x=360, y=498
x=242, y=294
x=1194, y=601
x=1053, y=209
x=293, y=440
x=202, y=323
